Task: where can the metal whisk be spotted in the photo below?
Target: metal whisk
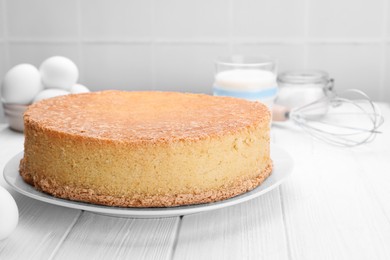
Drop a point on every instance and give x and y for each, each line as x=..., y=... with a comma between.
x=347, y=120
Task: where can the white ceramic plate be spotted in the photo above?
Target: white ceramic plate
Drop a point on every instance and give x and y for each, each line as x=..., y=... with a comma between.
x=283, y=165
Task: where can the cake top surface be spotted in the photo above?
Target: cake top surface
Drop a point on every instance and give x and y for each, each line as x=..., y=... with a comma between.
x=145, y=116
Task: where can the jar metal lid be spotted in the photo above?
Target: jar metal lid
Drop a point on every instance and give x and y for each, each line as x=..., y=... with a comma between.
x=304, y=77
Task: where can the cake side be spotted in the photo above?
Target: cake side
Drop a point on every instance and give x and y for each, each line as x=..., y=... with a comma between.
x=238, y=187
x=153, y=175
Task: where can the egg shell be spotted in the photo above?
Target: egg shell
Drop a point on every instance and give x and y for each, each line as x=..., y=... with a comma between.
x=78, y=88
x=59, y=72
x=50, y=93
x=21, y=84
x=9, y=214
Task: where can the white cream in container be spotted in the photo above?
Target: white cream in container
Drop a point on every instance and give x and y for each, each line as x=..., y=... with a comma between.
x=253, y=79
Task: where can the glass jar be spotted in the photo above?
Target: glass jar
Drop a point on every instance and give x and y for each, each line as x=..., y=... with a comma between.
x=302, y=87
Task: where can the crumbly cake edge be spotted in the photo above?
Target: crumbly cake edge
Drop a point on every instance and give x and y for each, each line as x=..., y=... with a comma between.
x=42, y=183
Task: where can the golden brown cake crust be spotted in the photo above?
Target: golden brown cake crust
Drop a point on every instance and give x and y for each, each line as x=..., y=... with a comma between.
x=85, y=195
x=184, y=116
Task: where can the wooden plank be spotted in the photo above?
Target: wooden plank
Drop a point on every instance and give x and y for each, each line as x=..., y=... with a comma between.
x=102, y=237
x=329, y=211
x=373, y=161
x=41, y=229
x=252, y=230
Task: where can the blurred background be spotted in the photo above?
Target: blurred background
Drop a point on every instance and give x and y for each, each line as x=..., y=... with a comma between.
x=172, y=44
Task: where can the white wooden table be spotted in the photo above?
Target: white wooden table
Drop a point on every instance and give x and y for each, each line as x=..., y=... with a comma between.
x=335, y=206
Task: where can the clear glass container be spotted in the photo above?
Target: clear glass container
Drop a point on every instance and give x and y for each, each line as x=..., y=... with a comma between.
x=302, y=87
x=251, y=78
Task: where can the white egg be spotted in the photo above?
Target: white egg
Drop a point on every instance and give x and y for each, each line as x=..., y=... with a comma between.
x=9, y=214
x=50, y=93
x=78, y=88
x=59, y=72
x=21, y=84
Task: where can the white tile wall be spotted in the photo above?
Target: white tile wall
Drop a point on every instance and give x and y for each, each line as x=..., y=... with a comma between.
x=188, y=19
x=35, y=53
x=42, y=19
x=2, y=25
x=171, y=44
x=352, y=66
x=186, y=67
x=117, y=66
x=2, y=71
x=346, y=19
x=386, y=81
x=265, y=19
x=288, y=56
x=2, y=59
x=116, y=20
x=387, y=19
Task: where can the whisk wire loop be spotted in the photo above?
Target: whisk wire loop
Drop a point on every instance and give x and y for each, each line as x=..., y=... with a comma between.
x=323, y=120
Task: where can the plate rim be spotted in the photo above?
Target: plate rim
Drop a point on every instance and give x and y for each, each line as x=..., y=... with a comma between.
x=11, y=174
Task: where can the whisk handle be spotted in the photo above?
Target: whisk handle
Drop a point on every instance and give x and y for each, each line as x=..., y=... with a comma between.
x=280, y=113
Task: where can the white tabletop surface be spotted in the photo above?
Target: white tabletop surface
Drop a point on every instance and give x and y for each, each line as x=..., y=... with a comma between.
x=336, y=205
